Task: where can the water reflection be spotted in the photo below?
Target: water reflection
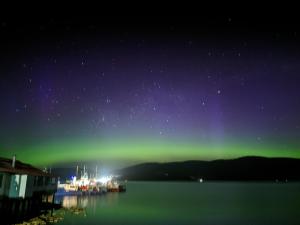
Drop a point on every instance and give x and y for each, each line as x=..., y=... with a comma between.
x=69, y=201
x=92, y=202
x=188, y=203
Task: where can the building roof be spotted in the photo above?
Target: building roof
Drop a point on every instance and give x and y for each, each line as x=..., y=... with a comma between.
x=20, y=168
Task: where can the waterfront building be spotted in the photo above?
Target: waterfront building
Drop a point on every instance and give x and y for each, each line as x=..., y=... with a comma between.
x=24, y=189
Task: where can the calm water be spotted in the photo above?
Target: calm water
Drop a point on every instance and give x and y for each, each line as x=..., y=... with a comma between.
x=190, y=203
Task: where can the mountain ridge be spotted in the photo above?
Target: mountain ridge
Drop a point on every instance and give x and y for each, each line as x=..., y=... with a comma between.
x=240, y=169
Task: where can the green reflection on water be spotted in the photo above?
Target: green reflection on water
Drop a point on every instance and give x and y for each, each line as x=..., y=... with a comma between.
x=192, y=203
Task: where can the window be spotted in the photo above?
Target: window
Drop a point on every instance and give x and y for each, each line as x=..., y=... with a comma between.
x=40, y=181
x=35, y=181
x=1, y=180
x=47, y=182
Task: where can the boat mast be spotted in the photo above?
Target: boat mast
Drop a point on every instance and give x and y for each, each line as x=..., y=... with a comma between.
x=96, y=174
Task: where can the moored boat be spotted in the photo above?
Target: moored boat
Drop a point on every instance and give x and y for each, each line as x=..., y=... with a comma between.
x=85, y=185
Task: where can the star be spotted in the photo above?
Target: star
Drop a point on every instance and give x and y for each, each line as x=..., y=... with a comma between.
x=258, y=138
x=108, y=101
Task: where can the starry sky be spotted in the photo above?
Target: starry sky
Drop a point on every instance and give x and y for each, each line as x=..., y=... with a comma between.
x=131, y=90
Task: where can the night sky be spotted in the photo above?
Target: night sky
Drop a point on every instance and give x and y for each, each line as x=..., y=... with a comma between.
x=139, y=89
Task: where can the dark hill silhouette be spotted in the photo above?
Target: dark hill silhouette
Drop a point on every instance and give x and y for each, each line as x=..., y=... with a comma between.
x=241, y=169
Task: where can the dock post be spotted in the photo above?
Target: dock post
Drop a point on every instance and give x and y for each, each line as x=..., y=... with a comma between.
x=52, y=204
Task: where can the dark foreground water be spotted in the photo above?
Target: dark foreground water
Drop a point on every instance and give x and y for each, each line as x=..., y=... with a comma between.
x=190, y=203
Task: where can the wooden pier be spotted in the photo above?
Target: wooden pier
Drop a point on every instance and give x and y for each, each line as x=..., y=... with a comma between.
x=16, y=210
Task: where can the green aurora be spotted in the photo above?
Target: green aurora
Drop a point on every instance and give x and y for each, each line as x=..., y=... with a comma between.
x=145, y=150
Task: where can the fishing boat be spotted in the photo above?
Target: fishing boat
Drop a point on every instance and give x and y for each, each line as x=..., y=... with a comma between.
x=86, y=185
x=115, y=186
